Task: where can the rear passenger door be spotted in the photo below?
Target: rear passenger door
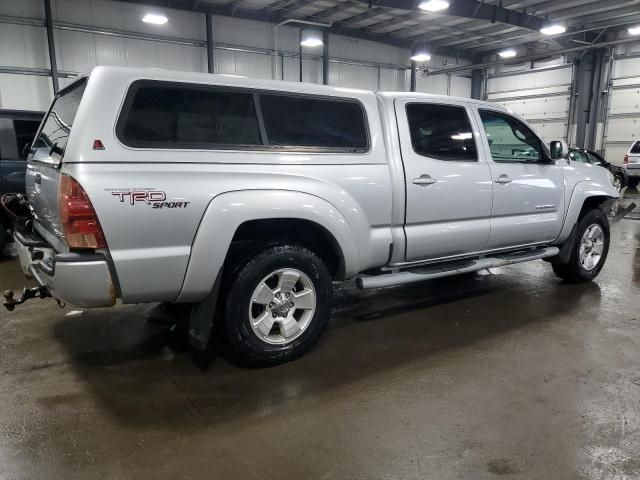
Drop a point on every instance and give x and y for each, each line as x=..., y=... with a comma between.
x=447, y=180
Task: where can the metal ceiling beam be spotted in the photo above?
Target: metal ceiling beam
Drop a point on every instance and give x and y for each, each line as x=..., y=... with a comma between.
x=535, y=56
x=341, y=7
x=475, y=9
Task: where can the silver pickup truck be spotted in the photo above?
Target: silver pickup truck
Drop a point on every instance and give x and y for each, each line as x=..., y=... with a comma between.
x=245, y=198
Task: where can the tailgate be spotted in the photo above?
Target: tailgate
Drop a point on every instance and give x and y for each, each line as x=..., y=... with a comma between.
x=45, y=160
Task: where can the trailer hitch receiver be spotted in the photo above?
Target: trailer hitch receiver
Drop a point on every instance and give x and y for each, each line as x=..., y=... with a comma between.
x=9, y=301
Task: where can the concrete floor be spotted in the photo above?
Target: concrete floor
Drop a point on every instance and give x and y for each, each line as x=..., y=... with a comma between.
x=505, y=374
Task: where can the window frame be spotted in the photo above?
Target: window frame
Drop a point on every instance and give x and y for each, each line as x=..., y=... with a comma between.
x=450, y=105
x=264, y=146
x=544, y=159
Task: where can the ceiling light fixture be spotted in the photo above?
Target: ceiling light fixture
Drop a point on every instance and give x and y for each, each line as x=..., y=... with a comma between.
x=420, y=53
x=311, y=38
x=433, y=5
x=553, y=29
x=421, y=57
x=155, y=19
x=634, y=30
x=508, y=53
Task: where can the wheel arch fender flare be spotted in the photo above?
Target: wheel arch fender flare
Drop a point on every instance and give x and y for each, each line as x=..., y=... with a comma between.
x=226, y=212
x=581, y=193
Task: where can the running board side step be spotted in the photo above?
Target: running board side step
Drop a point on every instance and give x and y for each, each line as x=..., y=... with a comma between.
x=431, y=272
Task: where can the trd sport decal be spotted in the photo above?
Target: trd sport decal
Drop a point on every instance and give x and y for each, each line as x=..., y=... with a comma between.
x=155, y=198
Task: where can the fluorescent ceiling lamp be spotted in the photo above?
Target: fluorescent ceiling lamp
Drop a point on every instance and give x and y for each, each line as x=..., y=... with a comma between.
x=508, y=53
x=311, y=38
x=634, y=30
x=553, y=29
x=155, y=19
x=433, y=5
x=421, y=57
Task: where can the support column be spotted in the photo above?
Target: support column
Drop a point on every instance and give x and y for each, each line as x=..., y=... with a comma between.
x=300, y=53
x=477, y=78
x=325, y=57
x=209, y=28
x=52, y=47
x=412, y=85
x=584, y=90
x=599, y=74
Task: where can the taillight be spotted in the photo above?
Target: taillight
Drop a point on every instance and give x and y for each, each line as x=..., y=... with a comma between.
x=78, y=218
x=626, y=160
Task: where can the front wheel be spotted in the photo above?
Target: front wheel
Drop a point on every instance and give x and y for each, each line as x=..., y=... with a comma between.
x=278, y=302
x=633, y=182
x=590, y=249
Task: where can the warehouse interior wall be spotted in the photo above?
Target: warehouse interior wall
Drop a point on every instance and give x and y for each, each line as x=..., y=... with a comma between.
x=104, y=32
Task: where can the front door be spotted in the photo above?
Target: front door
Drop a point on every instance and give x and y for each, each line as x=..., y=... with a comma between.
x=447, y=178
x=528, y=193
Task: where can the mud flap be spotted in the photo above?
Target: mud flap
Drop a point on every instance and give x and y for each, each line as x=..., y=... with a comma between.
x=565, y=250
x=201, y=318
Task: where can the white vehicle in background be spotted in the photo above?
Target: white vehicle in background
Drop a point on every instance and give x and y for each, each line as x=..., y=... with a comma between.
x=632, y=164
x=245, y=198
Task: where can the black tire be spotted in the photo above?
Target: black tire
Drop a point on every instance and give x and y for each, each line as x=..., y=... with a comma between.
x=235, y=325
x=620, y=179
x=633, y=182
x=574, y=272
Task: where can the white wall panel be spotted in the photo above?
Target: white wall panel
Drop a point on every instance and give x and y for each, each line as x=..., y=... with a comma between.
x=25, y=92
x=393, y=80
x=435, y=84
x=23, y=46
x=460, y=86
x=22, y=8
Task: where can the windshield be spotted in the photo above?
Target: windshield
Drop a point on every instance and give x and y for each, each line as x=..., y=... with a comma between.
x=54, y=134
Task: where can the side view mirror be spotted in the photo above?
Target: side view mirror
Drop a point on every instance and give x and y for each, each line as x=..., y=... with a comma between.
x=558, y=149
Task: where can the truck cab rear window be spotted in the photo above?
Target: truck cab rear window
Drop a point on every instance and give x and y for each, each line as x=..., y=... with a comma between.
x=636, y=148
x=176, y=116
x=301, y=121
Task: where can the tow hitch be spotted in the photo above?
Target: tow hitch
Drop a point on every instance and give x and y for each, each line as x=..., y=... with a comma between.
x=10, y=302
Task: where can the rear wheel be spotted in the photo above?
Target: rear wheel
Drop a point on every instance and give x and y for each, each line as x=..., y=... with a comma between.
x=590, y=249
x=277, y=303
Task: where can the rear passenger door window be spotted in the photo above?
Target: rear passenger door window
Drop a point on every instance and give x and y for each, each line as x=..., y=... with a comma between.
x=311, y=122
x=442, y=132
x=180, y=116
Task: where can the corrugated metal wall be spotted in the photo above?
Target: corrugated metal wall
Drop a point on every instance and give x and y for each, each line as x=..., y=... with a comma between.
x=104, y=32
x=541, y=95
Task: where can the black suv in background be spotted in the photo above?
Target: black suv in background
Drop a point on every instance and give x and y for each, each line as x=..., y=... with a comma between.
x=17, y=130
x=620, y=179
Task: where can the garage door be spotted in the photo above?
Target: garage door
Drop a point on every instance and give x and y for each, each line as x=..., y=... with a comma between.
x=623, y=116
x=542, y=97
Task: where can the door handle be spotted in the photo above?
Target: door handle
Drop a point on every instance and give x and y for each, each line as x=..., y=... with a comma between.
x=38, y=178
x=503, y=179
x=424, y=180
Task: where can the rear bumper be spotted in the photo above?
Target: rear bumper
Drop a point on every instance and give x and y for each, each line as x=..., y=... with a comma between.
x=632, y=172
x=81, y=279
